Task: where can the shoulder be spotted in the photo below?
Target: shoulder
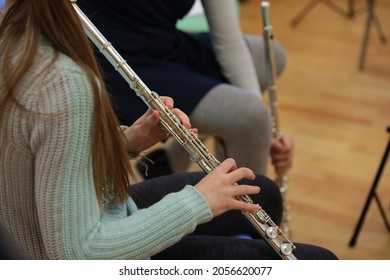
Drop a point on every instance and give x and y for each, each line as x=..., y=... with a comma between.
x=58, y=65
x=60, y=80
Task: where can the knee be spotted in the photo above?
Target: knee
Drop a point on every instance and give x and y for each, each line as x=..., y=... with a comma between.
x=313, y=252
x=233, y=113
x=257, y=116
x=280, y=58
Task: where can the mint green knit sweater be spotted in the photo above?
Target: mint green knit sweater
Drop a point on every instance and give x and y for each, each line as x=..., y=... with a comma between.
x=47, y=197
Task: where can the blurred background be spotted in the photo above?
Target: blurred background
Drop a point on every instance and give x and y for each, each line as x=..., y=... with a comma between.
x=338, y=114
x=335, y=102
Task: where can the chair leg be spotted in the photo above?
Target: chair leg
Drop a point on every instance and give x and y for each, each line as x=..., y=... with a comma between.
x=372, y=194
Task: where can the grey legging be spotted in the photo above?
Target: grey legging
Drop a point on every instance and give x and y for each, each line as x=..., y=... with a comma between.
x=236, y=118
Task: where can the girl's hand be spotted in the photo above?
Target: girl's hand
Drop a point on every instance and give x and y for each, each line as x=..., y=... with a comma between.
x=220, y=188
x=146, y=132
x=282, y=153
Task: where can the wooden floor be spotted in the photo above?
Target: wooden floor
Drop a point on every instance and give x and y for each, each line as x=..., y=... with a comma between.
x=338, y=116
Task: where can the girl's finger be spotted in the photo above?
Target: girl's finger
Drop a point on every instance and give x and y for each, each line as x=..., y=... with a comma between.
x=184, y=119
x=241, y=173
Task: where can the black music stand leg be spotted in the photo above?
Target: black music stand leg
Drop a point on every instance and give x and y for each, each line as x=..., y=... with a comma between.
x=372, y=194
x=351, y=9
x=371, y=18
x=303, y=13
x=381, y=34
x=383, y=212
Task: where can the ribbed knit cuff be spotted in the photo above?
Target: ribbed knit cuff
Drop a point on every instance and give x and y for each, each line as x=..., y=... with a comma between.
x=197, y=203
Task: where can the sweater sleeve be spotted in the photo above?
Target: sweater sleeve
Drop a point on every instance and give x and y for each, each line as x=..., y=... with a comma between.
x=229, y=45
x=71, y=224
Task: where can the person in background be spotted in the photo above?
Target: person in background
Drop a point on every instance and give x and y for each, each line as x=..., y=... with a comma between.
x=215, y=77
x=64, y=170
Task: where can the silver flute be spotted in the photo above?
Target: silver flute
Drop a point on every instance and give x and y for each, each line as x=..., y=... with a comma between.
x=281, y=177
x=197, y=151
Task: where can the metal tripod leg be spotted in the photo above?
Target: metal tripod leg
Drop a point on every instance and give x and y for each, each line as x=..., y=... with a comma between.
x=303, y=13
x=371, y=18
x=372, y=194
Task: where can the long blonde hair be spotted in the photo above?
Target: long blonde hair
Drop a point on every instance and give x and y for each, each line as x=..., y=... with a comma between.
x=57, y=21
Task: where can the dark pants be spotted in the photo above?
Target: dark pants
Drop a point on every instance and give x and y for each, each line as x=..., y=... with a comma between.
x=217, y=239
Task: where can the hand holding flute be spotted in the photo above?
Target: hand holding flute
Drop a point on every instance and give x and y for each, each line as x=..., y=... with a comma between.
x=282, y=153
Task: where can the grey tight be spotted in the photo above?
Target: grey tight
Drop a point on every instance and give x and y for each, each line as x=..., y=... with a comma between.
x=238, y=120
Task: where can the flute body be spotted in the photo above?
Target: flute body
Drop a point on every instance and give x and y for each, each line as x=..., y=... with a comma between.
x=197, y=151
x=281, y=178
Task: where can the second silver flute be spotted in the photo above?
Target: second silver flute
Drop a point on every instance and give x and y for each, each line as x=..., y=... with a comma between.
x=281, y=177
x=197, y=151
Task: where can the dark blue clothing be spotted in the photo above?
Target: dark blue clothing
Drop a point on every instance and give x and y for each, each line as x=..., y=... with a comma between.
x=169, y=61
x=216, y=239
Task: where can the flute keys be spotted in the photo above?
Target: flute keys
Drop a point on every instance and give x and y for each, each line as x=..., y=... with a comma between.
x=286, y=249
x=194, y=157
x=272, y=232
x=261, y=216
